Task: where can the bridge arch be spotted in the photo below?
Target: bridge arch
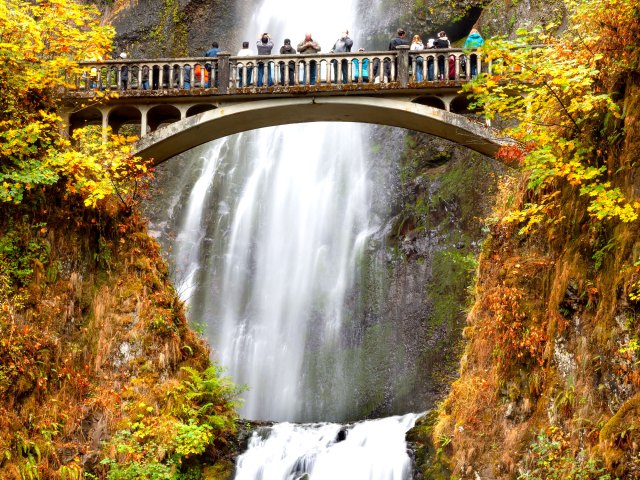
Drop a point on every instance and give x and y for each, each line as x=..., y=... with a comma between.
x=199, y=108
x=162, y=114
x=227, y=120
x=87, y=116
x=123, y=115
x=431, y=101
x=460, y=104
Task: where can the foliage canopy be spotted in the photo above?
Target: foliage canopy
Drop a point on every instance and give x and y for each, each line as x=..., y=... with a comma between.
x=40, y=44
x=560, y=91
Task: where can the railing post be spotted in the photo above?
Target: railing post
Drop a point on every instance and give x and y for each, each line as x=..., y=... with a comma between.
x=224, y=72
x=403, y=65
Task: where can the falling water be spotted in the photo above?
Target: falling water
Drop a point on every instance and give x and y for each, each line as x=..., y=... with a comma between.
x=270, y=247
x=271, y=237
x=370, y=450
x=275, y=239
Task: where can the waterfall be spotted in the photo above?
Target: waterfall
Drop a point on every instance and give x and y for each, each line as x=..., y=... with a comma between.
x=370, y=450
x=297, y=229
x=270, y=234
x=271, y=238
x=275, y=237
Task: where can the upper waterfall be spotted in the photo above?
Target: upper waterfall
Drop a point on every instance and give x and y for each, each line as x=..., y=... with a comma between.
x=270, y=239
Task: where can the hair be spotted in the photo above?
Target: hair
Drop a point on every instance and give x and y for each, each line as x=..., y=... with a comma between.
x=416, y=38
x=287, y=41
x=214, y=44
x=245, y=44
x=401, y=32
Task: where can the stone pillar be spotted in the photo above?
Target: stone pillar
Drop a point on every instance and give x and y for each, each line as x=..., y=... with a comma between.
x=64, y=125
x=105, y=123
x=143, y=120
x=403, y=65
x=223, y=72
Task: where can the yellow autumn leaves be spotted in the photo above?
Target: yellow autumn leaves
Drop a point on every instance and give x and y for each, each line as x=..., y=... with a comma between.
x=40, y=44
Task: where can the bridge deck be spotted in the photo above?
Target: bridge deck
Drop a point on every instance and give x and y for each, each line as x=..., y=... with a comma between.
x=200, y=99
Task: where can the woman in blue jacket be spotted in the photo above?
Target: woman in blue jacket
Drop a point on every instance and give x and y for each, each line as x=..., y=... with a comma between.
x=473, y=42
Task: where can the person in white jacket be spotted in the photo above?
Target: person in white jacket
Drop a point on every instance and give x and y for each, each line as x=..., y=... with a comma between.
x=418, y=66
x=245, y=51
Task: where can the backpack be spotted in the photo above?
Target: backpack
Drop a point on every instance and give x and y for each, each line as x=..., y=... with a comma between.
x=197, y=74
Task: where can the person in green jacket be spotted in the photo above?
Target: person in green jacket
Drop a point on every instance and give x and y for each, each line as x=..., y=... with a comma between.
x=473, y=42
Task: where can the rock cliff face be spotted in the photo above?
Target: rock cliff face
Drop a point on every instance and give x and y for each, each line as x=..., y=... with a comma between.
x=91, y=327
x=175, y=28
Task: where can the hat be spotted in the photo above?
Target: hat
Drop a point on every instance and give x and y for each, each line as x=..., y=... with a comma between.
x=123, y=55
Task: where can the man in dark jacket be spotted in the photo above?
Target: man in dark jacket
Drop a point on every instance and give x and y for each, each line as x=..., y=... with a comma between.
x=399, y=39
x=264, y=46
x=443, y=42
x=287, y=49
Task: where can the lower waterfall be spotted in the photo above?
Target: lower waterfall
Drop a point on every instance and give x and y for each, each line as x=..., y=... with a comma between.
x=369, y=450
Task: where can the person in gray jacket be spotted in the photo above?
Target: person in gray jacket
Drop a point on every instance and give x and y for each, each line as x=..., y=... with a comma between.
x=309, y=46
x=264, y=45
x=342, y=45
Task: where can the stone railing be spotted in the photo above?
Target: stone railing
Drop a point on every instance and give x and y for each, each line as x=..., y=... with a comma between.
x=232, y=74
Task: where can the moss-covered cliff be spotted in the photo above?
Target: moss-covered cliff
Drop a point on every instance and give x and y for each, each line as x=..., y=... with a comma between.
x=94, y=343
x=548, y=383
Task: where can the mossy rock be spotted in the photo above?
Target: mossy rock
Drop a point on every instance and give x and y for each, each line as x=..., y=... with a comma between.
x=429, y=460
x=221, y=470
x=621, y=430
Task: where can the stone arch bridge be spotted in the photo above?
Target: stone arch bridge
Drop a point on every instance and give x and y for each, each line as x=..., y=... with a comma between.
x=178, y=104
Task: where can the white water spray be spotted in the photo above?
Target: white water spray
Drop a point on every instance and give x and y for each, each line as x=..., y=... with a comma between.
x=371, y=450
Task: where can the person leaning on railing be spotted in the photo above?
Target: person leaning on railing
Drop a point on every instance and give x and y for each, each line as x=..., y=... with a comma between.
x=442, y=42
x=212, y=52
x=342, y=45
x=309, y=46
x=395, y=42
x=365, y=68
x=287, y=49
x=124, y=73
x=264, y=46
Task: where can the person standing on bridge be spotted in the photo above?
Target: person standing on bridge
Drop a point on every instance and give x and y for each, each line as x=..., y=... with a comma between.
x=365, y=68
x=442, y=42
x=395, y=42
x=342, y=45
x=212, y=52
x=124, y=72
x=245, y=51
x=265, y=45
x=309, y=46
x=473, y=42
x=416, y=44
x=287, y=49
